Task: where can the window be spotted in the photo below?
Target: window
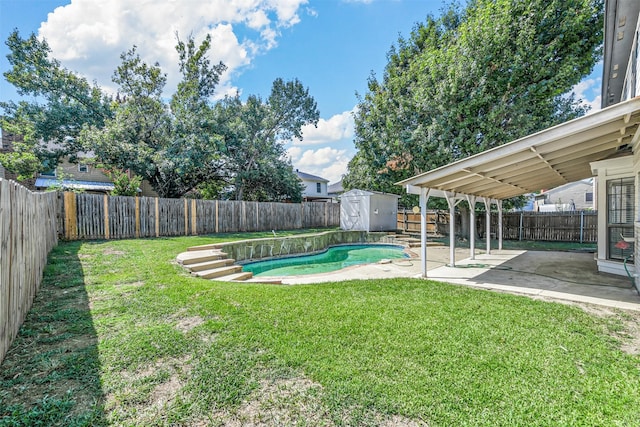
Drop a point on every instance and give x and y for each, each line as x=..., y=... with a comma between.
x=49, y=170
x=588, y=197
x=318, y=187
x=82, y=167
x=620, y=214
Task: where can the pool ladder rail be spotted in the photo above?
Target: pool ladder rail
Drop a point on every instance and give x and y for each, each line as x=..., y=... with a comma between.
x=209, y=262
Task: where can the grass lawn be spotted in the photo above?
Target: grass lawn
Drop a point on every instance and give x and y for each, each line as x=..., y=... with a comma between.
x=121, y=335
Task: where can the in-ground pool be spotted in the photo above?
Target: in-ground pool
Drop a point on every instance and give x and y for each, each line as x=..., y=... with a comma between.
x=334, y=258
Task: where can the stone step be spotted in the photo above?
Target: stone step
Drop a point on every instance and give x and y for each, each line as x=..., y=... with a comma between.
x=407, y=239
x=204, y=247
x=218, y=272
x=243, y=275
x=429, y=244
x=187, y=258
x=209, y=265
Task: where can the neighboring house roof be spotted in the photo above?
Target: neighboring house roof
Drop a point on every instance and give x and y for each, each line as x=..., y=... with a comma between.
x=308, y=177
x=588, y=182
x=335, y=188
x=69, y=183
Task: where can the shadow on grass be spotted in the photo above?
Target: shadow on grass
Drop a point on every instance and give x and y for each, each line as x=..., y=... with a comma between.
x=51, y=374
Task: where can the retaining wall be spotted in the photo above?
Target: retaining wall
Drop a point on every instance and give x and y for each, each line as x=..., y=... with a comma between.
x=277, y=247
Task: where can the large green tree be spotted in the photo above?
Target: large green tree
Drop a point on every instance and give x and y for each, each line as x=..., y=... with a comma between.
x=230, y=149
x=254, y=133
x=472, y=79
x=60, y=104
x=174, y=146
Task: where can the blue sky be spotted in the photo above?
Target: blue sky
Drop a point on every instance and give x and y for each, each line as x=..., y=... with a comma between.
x=331, y=46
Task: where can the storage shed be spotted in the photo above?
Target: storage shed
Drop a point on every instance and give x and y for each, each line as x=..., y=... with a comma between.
x=368, y=211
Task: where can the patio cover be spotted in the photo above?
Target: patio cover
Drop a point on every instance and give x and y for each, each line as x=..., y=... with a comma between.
x=544, y=160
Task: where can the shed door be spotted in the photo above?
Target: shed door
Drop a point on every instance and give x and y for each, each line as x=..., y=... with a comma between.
x=354, y=214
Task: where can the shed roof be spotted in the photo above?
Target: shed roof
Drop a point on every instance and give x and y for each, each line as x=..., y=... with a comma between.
x=356, y=192
x=547, y=159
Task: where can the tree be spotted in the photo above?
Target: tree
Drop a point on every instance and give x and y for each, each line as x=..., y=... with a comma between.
x=51, y=124
x=175, y=147
x=185, y=144
x=124, y=184
x=471, y=80
x=254, y=133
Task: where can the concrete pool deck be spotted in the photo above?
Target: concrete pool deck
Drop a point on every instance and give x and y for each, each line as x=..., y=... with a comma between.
x=569, y=276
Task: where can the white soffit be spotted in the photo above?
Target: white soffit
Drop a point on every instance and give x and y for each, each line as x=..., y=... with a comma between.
x=547, y=159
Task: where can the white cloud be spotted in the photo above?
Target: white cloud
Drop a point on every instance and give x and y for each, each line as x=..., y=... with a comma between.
x=88, y=36
x=336, y=128
x=588, y=91
x=331, y=160
x=327, y=162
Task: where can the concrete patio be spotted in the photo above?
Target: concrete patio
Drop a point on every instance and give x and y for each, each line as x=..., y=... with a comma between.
x=570, y=276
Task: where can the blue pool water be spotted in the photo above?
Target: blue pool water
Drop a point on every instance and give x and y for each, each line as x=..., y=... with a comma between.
x=332, y=259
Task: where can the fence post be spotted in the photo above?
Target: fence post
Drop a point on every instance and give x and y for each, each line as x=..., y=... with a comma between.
x=157, y=218
x=521, y=218
x=581, y=226
x=186, y=217
x=194, y=218
x=216, y=217
x=137, y=217
x=106, y=216
x=405, y=218
x=70, y=215
x=326, y=215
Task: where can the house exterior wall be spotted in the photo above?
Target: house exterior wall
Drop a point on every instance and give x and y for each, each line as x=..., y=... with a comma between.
x=311, y=190
x=573, y=195
x=636, y=248
x=607, y=170
x=631, y=86
x=72, y=171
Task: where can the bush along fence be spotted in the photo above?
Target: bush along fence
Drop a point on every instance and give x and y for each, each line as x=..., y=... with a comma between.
x=27, y=233
x=90, y=216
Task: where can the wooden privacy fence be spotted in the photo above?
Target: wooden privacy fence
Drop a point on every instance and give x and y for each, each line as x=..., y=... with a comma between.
x=27, y=234
x=576, y=226
x=91, y=216
x=409, y=222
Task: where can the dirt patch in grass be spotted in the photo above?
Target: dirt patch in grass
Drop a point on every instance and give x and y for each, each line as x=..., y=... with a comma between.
x=295, y=402
x=186, y=324
x=397, y=421
x=628, y=333
x=110, y=251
